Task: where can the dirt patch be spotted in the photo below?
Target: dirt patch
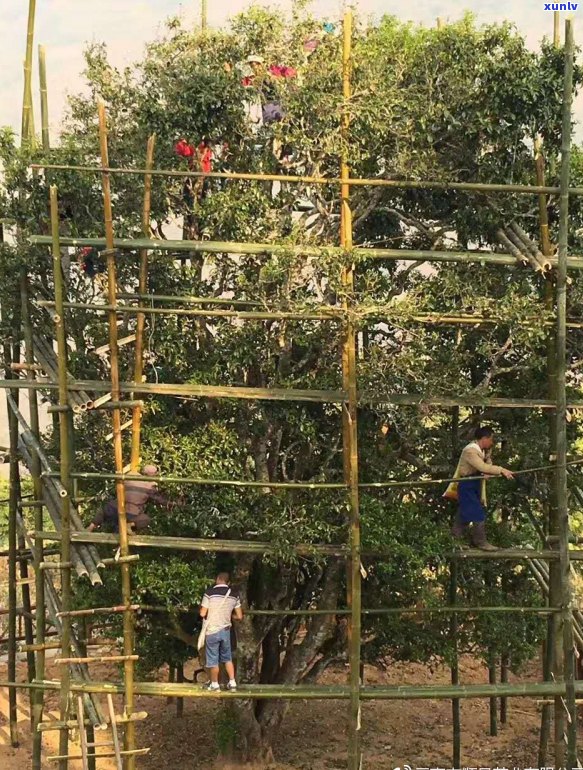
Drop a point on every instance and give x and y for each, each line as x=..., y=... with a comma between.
x=314, y=733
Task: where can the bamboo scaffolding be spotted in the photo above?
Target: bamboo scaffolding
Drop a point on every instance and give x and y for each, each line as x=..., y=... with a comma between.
x=190, y=300
x=44, y=100
x=349, y=399
x=254, y=315
x=406, y=484
x=531, y=247
x=196, y=544
x=399, y=184
x=349, y=417
x=65, y=452
x=27, y=128
x=85, y=560
x=453, y=609
x=229, y=247
x=53, y=607
x=14, y=483
x=329, y=314
x=561, y=415
x=182, y=390
x=128, y=617
x=455, y=673
x=141, y=317
x=45, y=355
x=521, y=249
x=312, y=692
x=53, y=725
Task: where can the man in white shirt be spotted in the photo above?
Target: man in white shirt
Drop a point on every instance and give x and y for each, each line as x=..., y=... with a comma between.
x=218, y=606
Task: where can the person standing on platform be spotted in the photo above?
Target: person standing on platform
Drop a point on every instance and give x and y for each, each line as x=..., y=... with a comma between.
x=475, y=460
x=219, y=605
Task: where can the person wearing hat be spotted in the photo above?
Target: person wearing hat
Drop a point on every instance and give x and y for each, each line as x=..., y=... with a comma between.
x=138, y=493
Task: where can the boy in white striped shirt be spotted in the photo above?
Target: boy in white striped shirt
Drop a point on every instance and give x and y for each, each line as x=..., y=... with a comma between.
x=218, y=606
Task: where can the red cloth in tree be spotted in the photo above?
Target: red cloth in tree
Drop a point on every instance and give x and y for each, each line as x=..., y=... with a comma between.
x=281, y=71
x=205, y=156
x=184, y=149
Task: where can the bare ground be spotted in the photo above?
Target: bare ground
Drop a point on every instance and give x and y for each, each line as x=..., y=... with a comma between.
x=314, y=734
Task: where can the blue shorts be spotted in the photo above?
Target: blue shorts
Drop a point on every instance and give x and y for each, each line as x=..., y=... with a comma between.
x=218, y=648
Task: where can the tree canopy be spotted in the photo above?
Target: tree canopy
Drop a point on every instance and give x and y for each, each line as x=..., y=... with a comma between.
x=462, y=103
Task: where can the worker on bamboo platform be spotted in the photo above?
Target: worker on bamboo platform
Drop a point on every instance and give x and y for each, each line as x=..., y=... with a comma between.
x=475, y=460
x=219, y=605
x=137, y=495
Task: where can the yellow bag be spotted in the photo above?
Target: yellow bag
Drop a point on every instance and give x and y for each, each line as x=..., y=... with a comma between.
x=451, y=491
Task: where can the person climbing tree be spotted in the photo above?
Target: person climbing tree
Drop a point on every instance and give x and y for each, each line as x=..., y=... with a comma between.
x=475, y=460
x=137, y=495
x=218, y=606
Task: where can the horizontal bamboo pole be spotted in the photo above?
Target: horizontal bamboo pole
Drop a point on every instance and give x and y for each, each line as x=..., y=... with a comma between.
x=181, y=390
x=109, y=405
x=211, y=482
x=103, y=755
x=511, y=554
x=55, y=565
x=267, y=315
x=313, y=692
x=120, y=560
x=136, y=716
x=102, y=659
x=26, y=367
x=327, y=314
x=98, y=610
x=194, y=544
x=401, y=184
x=190, y=299
x=414, y=611
x=40, y=647
x=303, y=485
x=231, y=247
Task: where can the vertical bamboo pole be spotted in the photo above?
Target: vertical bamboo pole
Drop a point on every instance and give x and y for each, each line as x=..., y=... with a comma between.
x=27, y=130
x=65, y=463
x=12, y=513
x=26, y=605
x=554, y=594
x=561, y=426
x=455, y=671
x=180, y=680
x=141, y=318
x=545, y=723
x=493, y=701
x=203, y=14
x=38, y=695
x=128, y=619
x=349, y=421
x=44, y=101
x=89, y=729
x=557, y=29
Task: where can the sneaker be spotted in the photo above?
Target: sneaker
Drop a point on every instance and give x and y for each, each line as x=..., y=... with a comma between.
x=487, y=547
x=213, y=687
x=232, y=685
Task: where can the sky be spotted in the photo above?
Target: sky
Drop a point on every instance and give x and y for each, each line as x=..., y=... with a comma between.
x=64, y=27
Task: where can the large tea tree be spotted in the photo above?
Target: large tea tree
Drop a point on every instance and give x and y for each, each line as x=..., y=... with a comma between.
x=461, y=103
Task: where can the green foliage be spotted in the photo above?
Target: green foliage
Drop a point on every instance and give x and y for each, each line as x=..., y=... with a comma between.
x=461, y=103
